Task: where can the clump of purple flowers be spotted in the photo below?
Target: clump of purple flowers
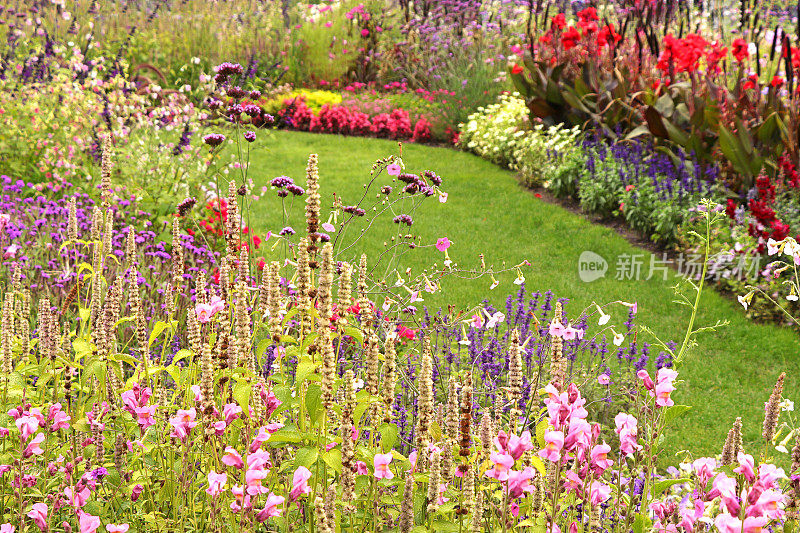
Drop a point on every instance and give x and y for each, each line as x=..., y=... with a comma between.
x=214, y=139
x=403, y=219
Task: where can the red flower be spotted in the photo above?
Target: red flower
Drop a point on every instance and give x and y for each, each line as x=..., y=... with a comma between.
x=517, y=69
x=730, y=209
x=559, y=22
x=739, y=49
x=256, y=241
x=570, y=38
x=607, y=35
x=751, y=82
x=588, y=14
x=777, y=82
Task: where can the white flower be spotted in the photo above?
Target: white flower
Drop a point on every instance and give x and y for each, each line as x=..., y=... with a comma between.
x=786, y=405
x=494, y=285
x=618, y=338
x=520, y=279
x=772, y=246
x=781, y=448
x=792, y=297
x=358, y=384
x=743, y=300
x=495, y=319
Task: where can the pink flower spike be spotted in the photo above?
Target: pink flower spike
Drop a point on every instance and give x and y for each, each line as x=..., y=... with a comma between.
x=381, y=464
x=300, y=483
x=39, y=515
x=117, y=528
x=443, y=244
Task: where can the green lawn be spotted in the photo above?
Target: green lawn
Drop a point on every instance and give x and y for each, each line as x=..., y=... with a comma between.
x=730, y=374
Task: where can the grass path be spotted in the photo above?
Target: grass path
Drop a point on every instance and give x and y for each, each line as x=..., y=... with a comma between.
x=729, y=374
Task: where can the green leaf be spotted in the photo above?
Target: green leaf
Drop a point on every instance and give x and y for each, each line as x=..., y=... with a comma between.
x=306, y=457
x=285, y=434
x=314, y=401
x=641, y=523
x=664, y=484
x=734, y=151
x=355, y=333
x=541, y=427
x=333, y=458
x=305, y=367
x=675, y=412
x=241, y=393
x=157, y=329
x=389, y=434
x=442, y=525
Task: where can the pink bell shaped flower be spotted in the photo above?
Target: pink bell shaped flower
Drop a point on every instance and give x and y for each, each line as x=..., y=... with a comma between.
x=300, y=483
x=381, y=464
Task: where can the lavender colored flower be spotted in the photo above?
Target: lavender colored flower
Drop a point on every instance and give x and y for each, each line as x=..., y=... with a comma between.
x=249, y=136
x=288, y=230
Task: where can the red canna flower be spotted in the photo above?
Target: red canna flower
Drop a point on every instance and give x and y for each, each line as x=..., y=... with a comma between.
x=570, y=38
x=739, y=49
x=559, y=22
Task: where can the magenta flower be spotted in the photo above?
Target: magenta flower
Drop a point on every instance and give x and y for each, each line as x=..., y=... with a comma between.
x=75, y=498
x=518, y=445
x=704, y=469
x=554, y=441
x=231, y=412
x=599, y=458
x=39, y=515
x=33, y=447
x=232, y=458
x=556, y=329
x=253, y=478
x=270, y=508
x=183, y=422
x=216, y=483
x=300, y=483
x=88, y=523
x=27, y=426
x=443, y=244
x=746, y=466
x=519, y=481
x=381, y=463
x=599, y=492
x=361, y=467
x=769, y=504
x=261, y=437
x=502, y=465
x=393, y=169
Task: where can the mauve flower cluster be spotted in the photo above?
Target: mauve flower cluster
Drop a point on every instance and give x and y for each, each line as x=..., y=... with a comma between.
x=34, y=238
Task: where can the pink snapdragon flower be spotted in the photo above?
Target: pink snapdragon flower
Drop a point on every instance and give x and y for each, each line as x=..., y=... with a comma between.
x=7, y=528
x=381, y=463
x=556, y=329
x=216, y=483
x=183, y=422
x=88, y=523
x=117, y=528
x=260, y=438
x=502, y=464
x=554, y=442
x=232, y=458
x=599, y=493
x=300, y=483
x=33, y=447
x=59, y=419
x=205, y=312
x=769, y=504
x=518, y=445
x=39, y=515
x=704, y=469
x=270, y=508
x=746, y=466
x=627, y=428
x=27, y=426
x=727, y=523
x=519, y=481
x=77, y=498
x=599, y=458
